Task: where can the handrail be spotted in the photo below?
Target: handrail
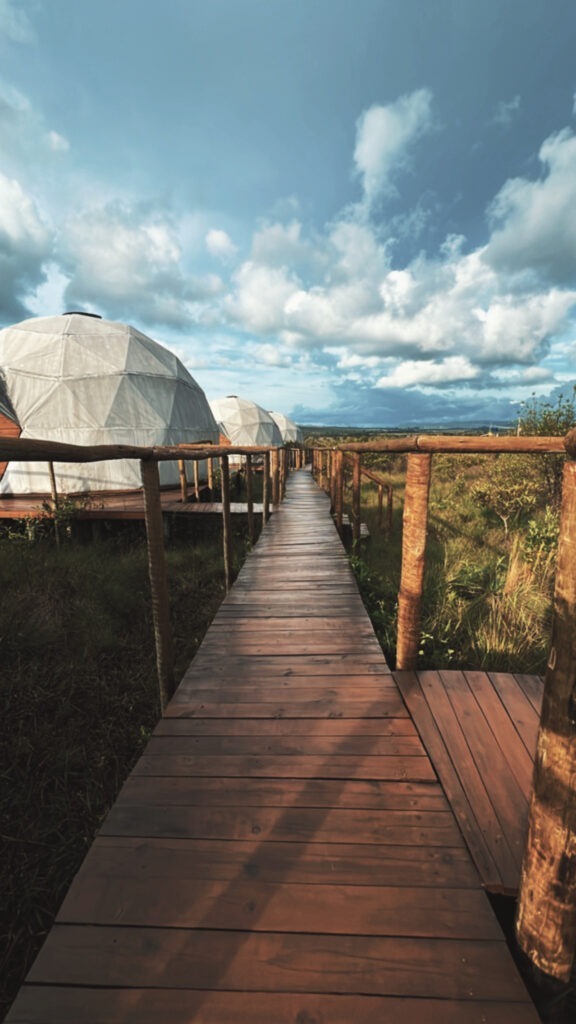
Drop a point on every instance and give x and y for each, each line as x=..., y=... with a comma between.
x=453, y=444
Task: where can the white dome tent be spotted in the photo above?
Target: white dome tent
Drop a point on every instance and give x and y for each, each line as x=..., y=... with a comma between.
x=291, y=433
x=244, y=423
x=83, y=380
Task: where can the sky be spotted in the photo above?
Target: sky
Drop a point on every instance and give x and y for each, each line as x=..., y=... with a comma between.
x=356, y=212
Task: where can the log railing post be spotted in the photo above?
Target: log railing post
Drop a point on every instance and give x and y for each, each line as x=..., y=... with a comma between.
x=415, y=522
x=275, y=473
x=546, y=917
x=55, y=503
x=338, y=489
x=380, y=504
x=250, y=499
x=196, y=481
x=266, y=489
x=356, y=500
x=210, y=470
x=226, y=532
x=389, y=509
x=158, y=581
x=183, y=480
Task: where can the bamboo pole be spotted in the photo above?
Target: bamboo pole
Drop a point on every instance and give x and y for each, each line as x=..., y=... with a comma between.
x=226, y=525
x=183, y=480
x=250, y=500
x=546, y=918
x=356, y=498
x=413, y=559
x=158, y=581
x=54, y=495
x=266, y=489
x=196, y=481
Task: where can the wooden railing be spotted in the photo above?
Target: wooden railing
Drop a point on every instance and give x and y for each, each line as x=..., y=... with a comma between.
x=546, y=917
x=276, y=466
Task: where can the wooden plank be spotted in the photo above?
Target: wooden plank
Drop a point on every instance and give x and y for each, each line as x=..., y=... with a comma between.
x=39, y=1005
x=186, y=706
x=520, y=706
x=251, y=962
x=344, y=746
x=417, y=769
x=264, y=907
x=507, y=730
x=379, y=696
x=286, y=727
x=349, y=863
x=271, y=824
x=533, y=687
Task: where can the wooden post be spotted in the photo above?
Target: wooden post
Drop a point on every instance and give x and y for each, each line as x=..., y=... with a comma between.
x=158, y=581
x=266, y=489
x=54, y=495
x=226, y=534
x=196, y=481
x=415, y=522
x=250, y=499
x=283, y=472
x=210, y=468
x=380, y=503
x=338, y=489
x=389, y=509
x=356, y=496
x=546, y=918
x=183, y=480
x=275, y=470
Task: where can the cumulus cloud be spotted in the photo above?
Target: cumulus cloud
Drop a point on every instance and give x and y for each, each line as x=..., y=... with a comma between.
x=127, y=261
x=25, y=247
x=506, y=111
x=15, y=23
x=219, y=244
x=429, y=373
x=534, y=222
x=384, y=135
x=27, y=142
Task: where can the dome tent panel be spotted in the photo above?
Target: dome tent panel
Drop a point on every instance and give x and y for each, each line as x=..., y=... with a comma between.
x=245, y=422
x=86, y=395
x=291, y=432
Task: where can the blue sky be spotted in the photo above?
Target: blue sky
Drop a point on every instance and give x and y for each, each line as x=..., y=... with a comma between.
x=353, y=211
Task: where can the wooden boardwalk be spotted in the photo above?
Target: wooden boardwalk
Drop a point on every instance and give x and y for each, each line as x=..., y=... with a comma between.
x=283, y=852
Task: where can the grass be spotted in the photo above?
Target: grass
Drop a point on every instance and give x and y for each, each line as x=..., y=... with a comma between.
x=487, y=592
x=79, y=693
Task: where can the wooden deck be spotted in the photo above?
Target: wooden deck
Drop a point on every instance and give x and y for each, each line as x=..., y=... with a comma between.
x=116, y=505
x=283, y=852
x=480, y=730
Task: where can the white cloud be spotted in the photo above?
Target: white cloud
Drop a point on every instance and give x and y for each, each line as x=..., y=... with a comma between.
x=25, y=247
x=427, y=372
x=57, y=143
x=219, y=244
x=534, y=222
x=506, y=111
x=384, y=135
x=127, y=262
x=15, y=24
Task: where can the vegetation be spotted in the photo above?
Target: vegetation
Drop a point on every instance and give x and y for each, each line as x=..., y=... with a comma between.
x=79, y=697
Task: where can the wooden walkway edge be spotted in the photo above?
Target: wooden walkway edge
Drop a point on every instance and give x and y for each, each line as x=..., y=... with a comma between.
x=283, y=852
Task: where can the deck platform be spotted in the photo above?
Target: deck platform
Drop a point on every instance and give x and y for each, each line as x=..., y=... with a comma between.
x=480, y=730
x=116, y=505
x=283, y=852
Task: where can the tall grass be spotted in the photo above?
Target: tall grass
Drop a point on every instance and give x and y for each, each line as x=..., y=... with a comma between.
x=487, y=593
x=79, y=696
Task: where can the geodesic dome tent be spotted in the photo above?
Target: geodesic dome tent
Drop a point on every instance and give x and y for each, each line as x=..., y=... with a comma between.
x=82, y=380
x=244, y=423
x=291, y=433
